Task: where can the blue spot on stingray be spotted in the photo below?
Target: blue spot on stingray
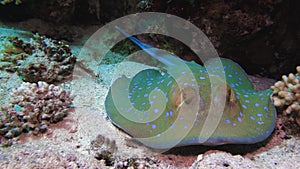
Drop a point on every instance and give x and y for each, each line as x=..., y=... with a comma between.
x=195, y=123
x=201, y=78
x=244, y=106
x=266, y=108
x=233, y=124
x=153, y=126
x=185, y=126
x=146, y=95
x=171, y=112
x=241, y=113
x=260, y=122
x=181, y=118
x=239, y=119
x=256, y=104
x=174, y=91
x=167, y=114
x=172, y=126
x=156, y=110
x=227, y=121
x=147, y=124
x=167, y=99
x=169, y=83
x=261, y=98
x=229, y=75
x=151, y=102
x=247, y=101
x=259, y=115
x=154, y=96
x=252, y=118
x=129, y=109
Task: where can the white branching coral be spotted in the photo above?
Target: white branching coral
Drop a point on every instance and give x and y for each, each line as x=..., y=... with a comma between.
x=286, y=94
x=33, y=107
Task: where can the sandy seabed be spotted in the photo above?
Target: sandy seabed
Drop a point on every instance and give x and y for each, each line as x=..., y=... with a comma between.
x=67, y=144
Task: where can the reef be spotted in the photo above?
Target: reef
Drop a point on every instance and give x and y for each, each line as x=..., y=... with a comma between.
x=286, y=95
x=40, y=59
x=16, y=2
x=32, y=108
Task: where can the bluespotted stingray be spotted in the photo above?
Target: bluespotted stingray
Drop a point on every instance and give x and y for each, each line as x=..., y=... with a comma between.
x=185, y=106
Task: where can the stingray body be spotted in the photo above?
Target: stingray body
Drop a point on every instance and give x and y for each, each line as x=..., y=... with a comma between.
x=167, y=109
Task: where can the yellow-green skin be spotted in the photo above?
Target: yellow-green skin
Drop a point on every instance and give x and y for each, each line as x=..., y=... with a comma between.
x=248, y=115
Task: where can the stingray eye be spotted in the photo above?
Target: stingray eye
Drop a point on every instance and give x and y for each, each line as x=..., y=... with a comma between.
x=230, y=96
x=179, y=98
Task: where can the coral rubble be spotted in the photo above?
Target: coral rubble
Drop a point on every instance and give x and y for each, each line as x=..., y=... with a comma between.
x=104, y=149
x=41, y=59
x=33, y=107
x=286, y=95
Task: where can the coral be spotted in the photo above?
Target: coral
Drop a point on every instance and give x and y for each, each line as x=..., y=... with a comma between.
x=286, y=95
x=104, y=149
x=41, y=59
x=17, y=2
x=13, y=53
x=32, y=108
